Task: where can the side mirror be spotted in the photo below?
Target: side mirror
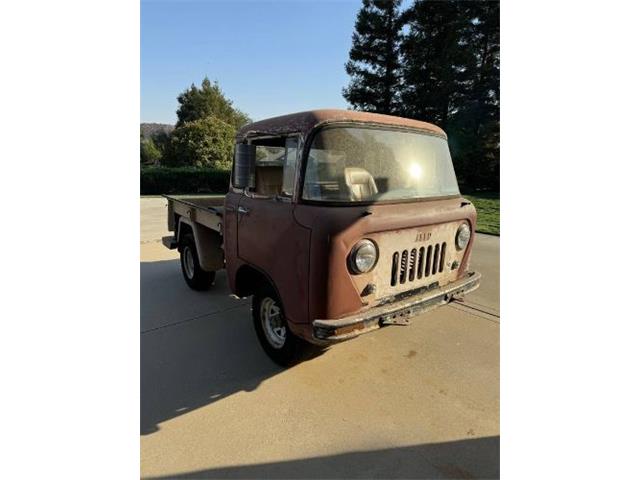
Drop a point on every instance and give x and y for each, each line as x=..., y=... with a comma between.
x=244, y=165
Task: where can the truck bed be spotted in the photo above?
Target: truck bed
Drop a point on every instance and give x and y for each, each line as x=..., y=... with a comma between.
x=206, y=210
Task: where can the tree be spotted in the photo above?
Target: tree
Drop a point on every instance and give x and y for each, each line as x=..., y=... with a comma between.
x=205, y=142
x=149, y=152
x=480, y=114
x=437, y=60
x=374, y=58
x=161, y=140
x=206, y=101
x=451, y=77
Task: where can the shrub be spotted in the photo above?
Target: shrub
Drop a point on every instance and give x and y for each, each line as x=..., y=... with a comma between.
x=182, y=180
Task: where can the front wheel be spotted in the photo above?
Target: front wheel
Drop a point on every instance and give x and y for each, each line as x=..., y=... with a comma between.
x=196, y=277
x=282, y=346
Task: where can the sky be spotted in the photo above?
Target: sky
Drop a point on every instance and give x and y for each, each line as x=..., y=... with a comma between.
x=269, y=57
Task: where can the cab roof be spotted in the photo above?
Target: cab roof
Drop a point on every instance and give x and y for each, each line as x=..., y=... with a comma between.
x=304, y=122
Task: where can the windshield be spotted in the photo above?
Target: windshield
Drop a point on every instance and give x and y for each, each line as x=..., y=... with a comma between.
x=353, y=164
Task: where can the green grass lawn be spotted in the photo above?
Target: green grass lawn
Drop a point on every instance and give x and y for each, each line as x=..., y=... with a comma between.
x=488, y=207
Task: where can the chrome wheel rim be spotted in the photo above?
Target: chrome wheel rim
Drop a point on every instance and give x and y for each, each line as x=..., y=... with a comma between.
x=272, y=323
x=187, y=261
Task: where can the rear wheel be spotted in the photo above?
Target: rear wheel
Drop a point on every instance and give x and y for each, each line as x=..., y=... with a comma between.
x=282, y=346
x=194, y=275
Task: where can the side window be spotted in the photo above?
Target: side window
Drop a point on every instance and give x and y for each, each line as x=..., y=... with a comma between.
x=275, y=166
x=269, y=163
x=289, y=170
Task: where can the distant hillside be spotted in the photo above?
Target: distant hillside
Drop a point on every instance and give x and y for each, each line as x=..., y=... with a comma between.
x=149, y=129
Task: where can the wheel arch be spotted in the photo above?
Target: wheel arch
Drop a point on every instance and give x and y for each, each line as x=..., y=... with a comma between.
x=183, y=226
x=208, y=244
x=249, y=279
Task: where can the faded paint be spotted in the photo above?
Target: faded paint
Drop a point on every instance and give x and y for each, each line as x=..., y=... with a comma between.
x=303, y=248
x=304, y=122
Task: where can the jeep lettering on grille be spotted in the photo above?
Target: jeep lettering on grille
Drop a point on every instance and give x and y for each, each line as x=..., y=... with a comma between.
x=423, y=236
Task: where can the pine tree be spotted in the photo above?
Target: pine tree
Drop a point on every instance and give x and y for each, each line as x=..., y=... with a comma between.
x=477, y=123
x=437, y=60
x=485, y=89
x=374, y=58
x=444, y=68
x=451, y=77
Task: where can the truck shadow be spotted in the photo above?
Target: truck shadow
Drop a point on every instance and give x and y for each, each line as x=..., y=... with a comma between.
x=195, y=347
x=467, y=458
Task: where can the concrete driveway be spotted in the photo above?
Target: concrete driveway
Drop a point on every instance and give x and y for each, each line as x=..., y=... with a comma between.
x=420, y=401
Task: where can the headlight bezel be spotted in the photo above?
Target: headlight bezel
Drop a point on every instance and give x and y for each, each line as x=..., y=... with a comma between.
x=353, y=255
x=463, y=234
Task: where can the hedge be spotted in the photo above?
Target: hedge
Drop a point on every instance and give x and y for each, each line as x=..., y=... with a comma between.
x=182, y=180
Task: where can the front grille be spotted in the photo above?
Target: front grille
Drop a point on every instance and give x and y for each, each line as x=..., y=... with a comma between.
x=414, y=264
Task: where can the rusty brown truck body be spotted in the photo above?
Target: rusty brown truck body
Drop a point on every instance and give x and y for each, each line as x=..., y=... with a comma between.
x=336, y=222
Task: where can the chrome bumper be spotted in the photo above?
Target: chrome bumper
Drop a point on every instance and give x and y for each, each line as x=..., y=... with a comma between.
x=395, y=312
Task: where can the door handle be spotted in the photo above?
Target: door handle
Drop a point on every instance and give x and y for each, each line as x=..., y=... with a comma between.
x=230, y=208
x=243, y=210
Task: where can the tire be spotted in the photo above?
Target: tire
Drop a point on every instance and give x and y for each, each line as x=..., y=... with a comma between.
x=282, y=346
x=196, y=277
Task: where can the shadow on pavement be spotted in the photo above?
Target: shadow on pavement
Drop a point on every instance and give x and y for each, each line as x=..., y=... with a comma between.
x=195, y=347
x=469, y=458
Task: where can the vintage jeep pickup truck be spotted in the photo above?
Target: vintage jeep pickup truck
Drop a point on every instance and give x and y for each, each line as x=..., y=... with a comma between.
x=336, y=222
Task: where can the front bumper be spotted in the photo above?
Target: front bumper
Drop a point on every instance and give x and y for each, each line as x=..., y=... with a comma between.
x=395, y=312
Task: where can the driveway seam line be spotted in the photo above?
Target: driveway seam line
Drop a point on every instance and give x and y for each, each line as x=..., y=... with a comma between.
x=484, y=317
x=465, y=304
x=479, y=306
x=180, y=322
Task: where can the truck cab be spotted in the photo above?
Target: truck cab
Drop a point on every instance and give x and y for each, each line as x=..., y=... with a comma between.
x=341, y=222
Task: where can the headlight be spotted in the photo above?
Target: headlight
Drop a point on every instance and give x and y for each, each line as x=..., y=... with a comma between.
x=363, y=256
x=462, y=236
